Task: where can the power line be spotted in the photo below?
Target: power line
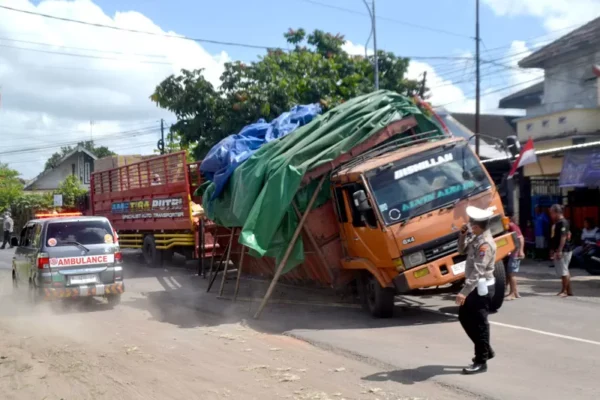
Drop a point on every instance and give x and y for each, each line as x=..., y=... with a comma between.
x=407, y=23
x=83, y=48
x=85, y=55
x=490, y=92
x=118, y=135
x=116, y=28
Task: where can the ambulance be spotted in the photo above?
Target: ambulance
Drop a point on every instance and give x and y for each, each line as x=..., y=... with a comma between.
x=68, y=256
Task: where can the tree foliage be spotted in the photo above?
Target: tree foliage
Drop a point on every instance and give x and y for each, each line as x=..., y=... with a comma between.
x=71, y=191
x=98, y=151
x=316, y=70
x=11, y=187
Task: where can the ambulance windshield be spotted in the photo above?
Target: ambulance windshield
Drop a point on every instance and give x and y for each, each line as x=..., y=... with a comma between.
x=427, y=181
x=85, y=232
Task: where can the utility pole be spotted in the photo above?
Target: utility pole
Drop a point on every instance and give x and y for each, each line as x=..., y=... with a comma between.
x=423, y=83
x=162, y=135
x=91, y=131
x=371, y=9
x=477, y=78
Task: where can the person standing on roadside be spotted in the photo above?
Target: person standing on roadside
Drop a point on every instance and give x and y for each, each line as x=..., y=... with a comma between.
x=476, y=296
x=8, y=226
x=541, y=226
x=560, y=248
x=514, y=260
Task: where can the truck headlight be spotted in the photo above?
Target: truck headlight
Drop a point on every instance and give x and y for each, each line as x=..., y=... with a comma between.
x=414, y=259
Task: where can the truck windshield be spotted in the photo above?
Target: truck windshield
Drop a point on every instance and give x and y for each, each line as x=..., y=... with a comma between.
x=426, y=181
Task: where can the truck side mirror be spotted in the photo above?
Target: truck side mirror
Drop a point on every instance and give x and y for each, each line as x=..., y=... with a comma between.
x=360, y=201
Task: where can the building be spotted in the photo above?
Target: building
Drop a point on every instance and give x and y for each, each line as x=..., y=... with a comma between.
x=563, y=118
x=79, y=162
x=494, y=125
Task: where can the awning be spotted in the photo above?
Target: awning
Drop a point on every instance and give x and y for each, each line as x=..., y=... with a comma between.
x=581, y=168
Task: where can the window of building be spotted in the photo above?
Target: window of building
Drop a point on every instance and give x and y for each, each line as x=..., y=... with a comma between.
x=545, y=123
x=578, y=140
x=562, y=120
x=529, y=126
x=72, y=169
x=86, y=173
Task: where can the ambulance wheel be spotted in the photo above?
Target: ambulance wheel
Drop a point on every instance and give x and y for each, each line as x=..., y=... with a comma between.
x=499, y=287
x=114, y=300
x=34, y=294
x=377, y=300
x=152, y=256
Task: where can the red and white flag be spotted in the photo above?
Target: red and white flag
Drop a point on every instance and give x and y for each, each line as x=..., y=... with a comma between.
x=527, y=156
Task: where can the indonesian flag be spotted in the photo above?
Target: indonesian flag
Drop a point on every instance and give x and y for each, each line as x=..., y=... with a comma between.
x=527, y=156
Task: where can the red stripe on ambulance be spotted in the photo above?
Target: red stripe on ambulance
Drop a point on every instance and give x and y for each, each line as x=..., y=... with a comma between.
x=84, y=260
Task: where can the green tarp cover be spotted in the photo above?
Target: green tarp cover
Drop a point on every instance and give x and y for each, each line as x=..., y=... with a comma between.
x=259, y=194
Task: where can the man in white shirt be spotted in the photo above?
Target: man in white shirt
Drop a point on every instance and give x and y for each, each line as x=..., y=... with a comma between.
x=8, y=226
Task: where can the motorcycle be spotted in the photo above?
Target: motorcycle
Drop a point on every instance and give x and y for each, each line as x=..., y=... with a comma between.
x=590, y=258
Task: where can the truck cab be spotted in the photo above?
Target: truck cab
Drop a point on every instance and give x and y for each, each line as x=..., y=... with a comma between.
x=400, y=212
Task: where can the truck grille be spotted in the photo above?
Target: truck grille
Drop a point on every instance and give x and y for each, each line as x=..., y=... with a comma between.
x=441, y=250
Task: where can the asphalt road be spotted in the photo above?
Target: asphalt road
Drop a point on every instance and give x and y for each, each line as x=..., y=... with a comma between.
x=546, y=347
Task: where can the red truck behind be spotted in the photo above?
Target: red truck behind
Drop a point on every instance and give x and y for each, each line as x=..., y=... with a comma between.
x=149, y=204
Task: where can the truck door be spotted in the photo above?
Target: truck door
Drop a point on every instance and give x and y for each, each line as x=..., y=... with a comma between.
x=364, y=237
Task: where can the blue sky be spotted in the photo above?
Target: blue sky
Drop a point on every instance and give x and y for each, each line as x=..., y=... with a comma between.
x=57, y=76
x=262, y=22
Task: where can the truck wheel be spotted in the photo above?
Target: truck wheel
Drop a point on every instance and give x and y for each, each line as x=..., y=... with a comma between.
x=499, y=287
x=167, y=255
x=377, y=300
x=152, y=256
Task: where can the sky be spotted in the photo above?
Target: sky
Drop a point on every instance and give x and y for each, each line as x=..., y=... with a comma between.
x=62, y=82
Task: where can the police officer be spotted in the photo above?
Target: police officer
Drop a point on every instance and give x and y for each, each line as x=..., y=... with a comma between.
x=477, y=242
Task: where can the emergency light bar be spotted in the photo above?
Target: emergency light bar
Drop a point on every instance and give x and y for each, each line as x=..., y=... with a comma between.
x=58, y=215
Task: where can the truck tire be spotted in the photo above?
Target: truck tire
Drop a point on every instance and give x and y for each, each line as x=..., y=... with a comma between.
x=152, y=256
x=499, y=287
x=377, y=300
x=167, y=255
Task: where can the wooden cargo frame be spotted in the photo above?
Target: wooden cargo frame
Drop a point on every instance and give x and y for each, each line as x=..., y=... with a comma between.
x=319, y=226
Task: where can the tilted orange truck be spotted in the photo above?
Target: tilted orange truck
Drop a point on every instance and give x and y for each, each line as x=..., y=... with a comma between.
x=393, y=219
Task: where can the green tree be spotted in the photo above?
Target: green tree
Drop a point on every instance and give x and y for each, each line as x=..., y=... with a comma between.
x=71, y=191
x=11, y=187
x=98, y=151
x=317, y=70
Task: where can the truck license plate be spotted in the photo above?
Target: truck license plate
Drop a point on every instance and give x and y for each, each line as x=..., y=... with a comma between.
x=459, y=268
x=82, y=279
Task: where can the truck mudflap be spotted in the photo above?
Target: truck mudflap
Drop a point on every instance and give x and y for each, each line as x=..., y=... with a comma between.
x=448, y=269
x=83, y=291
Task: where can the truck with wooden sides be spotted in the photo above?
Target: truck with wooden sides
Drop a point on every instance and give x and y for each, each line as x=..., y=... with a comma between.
x=149, y=203
x=396, y=202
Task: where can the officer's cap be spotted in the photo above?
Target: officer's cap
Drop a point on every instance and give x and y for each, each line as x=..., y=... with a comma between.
x=478, y=214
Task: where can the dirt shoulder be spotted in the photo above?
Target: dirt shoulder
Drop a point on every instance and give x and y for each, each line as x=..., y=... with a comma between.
x=159, y=345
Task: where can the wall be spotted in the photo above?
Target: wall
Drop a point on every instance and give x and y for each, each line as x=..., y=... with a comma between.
x=569, y=83
x=551, y=165
x=581, y=121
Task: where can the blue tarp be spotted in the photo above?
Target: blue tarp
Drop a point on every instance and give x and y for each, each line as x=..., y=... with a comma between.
x=229, y=153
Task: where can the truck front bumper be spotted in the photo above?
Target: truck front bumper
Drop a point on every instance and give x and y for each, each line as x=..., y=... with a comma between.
x=440, y=272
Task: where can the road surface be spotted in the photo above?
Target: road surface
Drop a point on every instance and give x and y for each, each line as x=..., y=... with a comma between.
x=169, y=339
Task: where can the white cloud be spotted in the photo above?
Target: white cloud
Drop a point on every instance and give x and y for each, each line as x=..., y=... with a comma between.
x=355, y=49
x=50, y=98
x=556, y=14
